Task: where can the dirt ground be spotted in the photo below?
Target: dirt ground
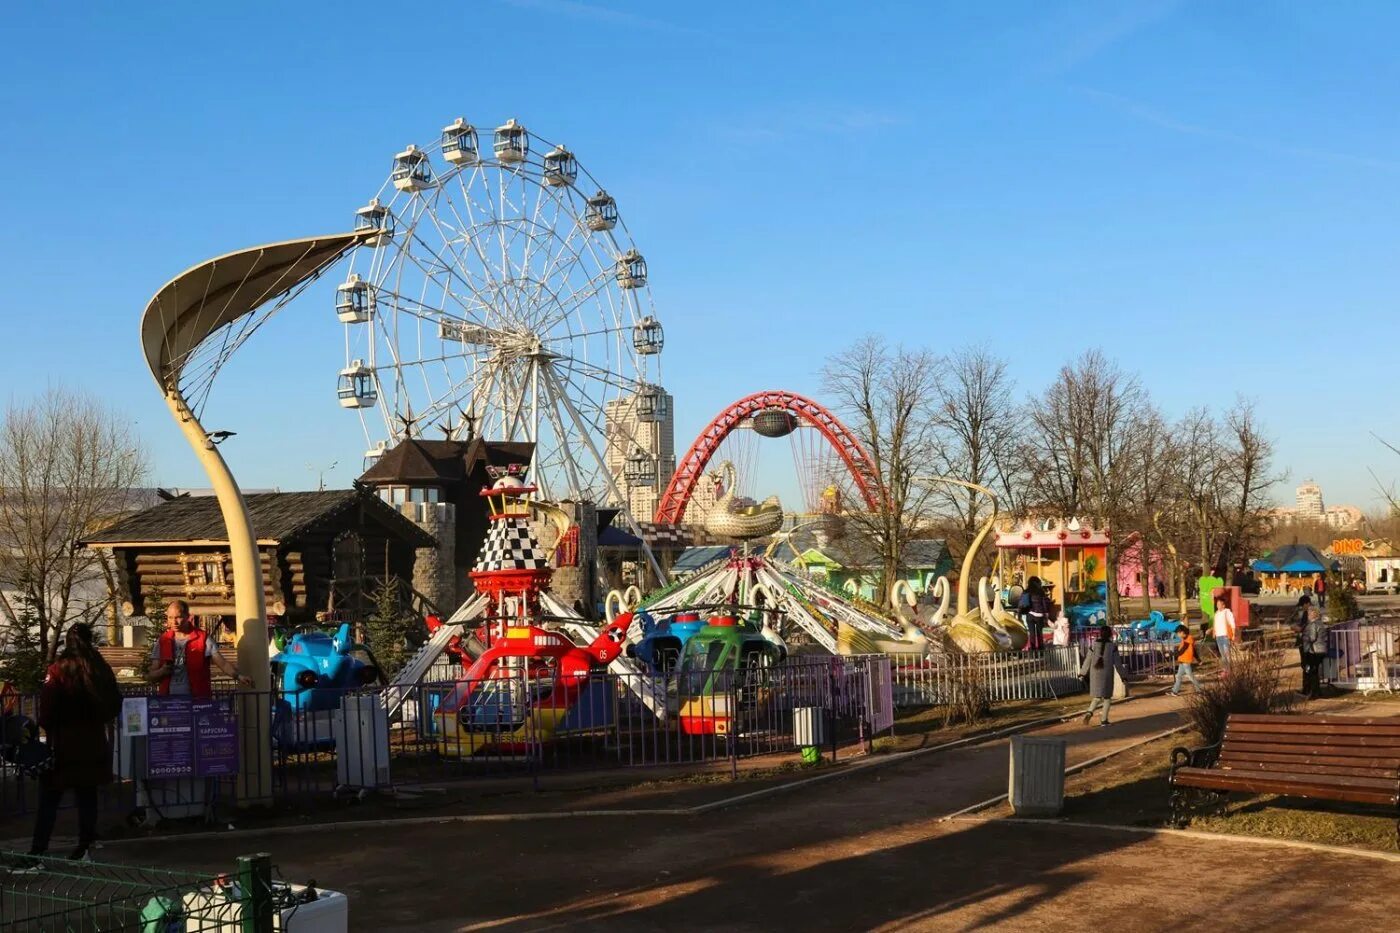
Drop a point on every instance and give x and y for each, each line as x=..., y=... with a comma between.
x=866, y=851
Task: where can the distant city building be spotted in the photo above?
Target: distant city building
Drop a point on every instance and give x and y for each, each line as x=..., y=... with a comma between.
x=1309, y=507
x=1309, y=502
x=1342, y=516
x=640, y=433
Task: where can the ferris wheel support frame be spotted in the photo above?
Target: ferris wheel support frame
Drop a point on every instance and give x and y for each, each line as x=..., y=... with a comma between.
x=581, y=426
x=492, y=276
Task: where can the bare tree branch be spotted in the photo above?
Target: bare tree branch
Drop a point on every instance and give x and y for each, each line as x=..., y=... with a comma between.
x=67, y=466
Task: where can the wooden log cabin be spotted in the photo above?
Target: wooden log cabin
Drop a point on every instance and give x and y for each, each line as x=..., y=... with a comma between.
x=323, y=553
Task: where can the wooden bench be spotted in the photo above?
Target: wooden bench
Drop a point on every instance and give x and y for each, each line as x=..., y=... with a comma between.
x=124, y=659
x=1344, y=758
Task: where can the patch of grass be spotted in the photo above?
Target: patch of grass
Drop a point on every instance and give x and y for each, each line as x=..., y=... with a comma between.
x=1132, y=791
x=1318, y=821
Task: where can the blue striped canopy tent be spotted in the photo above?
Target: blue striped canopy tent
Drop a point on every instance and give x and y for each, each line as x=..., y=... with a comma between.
x=1294, y=558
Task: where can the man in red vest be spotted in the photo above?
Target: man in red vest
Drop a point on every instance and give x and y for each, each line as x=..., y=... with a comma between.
x=181, y=657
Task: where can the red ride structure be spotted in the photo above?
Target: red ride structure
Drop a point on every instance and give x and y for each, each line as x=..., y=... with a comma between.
x=691, y=468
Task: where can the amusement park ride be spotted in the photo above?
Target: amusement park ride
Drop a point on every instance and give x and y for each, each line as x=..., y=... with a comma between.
x=491, y=295
x=529, y=682
x=495, y=292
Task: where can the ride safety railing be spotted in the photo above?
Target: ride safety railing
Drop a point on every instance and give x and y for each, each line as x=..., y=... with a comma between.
x=516, y=724
x=1363, y=654
x=1140, y=653
x=1003, y=676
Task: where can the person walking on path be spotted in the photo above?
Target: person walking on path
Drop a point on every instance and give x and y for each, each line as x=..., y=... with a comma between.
x=77, y=706
x=1035, y=608
x=1099, y=667
x=1301, y=614
x=1185, y=658
x=183, y=654
x=1320, y=590
x=1312, y=645
x=1224, y=632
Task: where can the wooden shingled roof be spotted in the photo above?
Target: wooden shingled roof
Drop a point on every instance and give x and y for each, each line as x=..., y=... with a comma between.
x=416, y=460
x=276, y=516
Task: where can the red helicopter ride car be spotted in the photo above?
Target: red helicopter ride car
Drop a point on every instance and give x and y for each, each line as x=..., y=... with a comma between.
x=530, y=686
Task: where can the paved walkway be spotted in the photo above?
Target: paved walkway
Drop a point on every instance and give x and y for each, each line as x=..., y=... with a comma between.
x=866, y=851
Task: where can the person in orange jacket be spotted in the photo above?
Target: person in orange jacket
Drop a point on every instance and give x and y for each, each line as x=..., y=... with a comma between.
x=1185, y=658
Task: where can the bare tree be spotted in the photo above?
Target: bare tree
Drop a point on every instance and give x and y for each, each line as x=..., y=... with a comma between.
x=67, y=465
x=887, y=394
x=979, y=432
x=1184, y=505
x=1247, y=475
x=1156, y=454
x=1084, y=457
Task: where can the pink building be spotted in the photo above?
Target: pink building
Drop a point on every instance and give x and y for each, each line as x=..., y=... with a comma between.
x=1131, y=578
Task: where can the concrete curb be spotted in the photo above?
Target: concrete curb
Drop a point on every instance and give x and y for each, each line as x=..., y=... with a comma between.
x=1190, y=834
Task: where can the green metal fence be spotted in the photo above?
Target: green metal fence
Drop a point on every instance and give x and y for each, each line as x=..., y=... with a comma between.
x=55, y=895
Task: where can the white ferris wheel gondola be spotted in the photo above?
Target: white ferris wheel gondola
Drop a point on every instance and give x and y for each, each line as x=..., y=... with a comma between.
x=459, y=144
x=501, y=301
x=600, y=214
x=377, y=218
x=412, y=170
x=354, y=301
x=512, y=143
x=357, y=388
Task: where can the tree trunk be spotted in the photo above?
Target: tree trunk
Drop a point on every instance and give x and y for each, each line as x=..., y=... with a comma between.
x=1110, y=576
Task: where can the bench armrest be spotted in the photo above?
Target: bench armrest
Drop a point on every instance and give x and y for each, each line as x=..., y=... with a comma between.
x=1202, y=757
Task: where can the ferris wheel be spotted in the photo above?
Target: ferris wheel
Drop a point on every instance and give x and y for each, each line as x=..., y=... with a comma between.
x=500, y=296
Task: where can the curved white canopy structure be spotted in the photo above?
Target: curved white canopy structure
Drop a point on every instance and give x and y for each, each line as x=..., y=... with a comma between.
x=234, y=292
x=188, y=331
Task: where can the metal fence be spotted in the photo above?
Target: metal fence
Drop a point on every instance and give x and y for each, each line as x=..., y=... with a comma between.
x=511, y=724
x=1362, y=655
x=932, y=680
x=521, y=724
x=46, y=895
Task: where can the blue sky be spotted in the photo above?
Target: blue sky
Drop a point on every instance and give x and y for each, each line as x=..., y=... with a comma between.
x=1207, y=191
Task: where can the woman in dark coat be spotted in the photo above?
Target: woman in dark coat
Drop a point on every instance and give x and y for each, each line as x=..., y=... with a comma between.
x=1100, y=664
x=77, y=707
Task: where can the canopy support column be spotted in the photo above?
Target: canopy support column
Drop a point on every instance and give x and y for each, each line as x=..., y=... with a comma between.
x=250, y=611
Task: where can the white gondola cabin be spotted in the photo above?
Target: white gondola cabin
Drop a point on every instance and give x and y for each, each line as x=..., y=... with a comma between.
x=354, y=301
x=374, y=453
x=512, y=142
x=560, y=167
x=459, y=144
x=631, y=270
x=647, y=336
x=377, y=218
x=601, y=212
x=653, y=404
x=412, y=170
x=639, y=469
x=356, y=389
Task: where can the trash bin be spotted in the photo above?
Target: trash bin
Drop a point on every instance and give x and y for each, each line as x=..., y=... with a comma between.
x=1037, y=779
x=809, y=731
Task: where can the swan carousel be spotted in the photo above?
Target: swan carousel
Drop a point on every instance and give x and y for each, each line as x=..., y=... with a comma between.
x=740, y=517
x=912, y=640
x=986, y=626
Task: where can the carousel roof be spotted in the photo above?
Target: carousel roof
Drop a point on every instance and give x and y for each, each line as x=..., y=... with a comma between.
x=1293, y=558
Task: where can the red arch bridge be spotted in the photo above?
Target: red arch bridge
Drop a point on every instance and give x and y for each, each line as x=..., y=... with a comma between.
x=691, y=468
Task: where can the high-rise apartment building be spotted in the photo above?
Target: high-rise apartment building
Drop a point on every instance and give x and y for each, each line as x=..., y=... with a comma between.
x=641, y=447
x=1309, y=501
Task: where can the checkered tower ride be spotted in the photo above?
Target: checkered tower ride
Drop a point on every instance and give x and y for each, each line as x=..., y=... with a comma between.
x=512, y=569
